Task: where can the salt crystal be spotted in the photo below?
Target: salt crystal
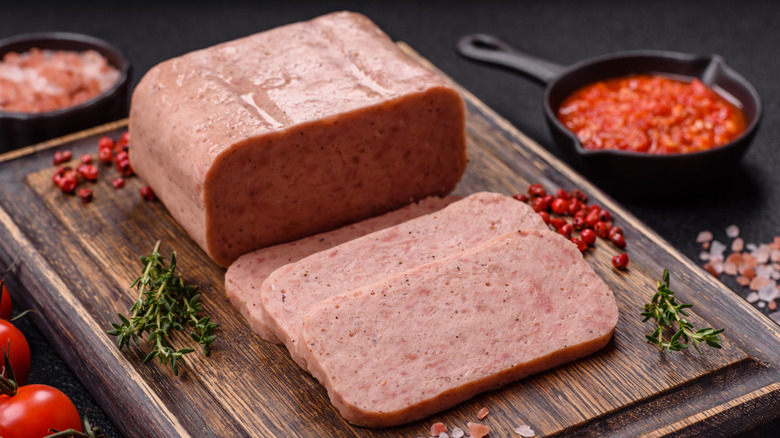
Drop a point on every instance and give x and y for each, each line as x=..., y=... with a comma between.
x=717, y=248
x=735, y=258
x=730, y=268
x=477, y=430
x=444, y=435
x=711, y=269
x=750, y=246
x=749, y=272
x=737, y=244
x=764, y=271
x=774, y=255
x=482, y=413
x=775, y=317
x=772, y=305
x=732, y=231
x=704, y=236
x=768, y=292
x=457, y=432
x=718, y=266
x=743, y=281
x=752, y=297
x=759, y=282
x=761, y=304
x=717, y=258
x=704, y=256
x=438, y=428
x=761, y=253
x=525, y=430
x=774, y=275
x=705, y=245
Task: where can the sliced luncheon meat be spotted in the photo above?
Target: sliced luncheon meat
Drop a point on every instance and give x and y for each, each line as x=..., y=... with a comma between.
x=427, y=339
x=246, y=275
x=289, y=292
x=294, y=131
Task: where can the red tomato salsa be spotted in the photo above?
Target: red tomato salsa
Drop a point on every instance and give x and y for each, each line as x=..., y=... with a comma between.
x=651, y=114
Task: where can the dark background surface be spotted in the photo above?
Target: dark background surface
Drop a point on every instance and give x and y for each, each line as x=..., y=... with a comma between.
x=745, y=33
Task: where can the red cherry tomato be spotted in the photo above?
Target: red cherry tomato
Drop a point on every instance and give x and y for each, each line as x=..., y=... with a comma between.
x=35, y=409
x=18, y=353
x=6, y=305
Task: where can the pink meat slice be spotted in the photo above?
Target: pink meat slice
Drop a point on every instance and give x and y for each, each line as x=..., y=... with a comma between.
x=291, y=290
x=427, y=339
x=246, y=275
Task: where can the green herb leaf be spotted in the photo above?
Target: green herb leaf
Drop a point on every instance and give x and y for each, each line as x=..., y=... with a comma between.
x=666, y=312
x=164, y=304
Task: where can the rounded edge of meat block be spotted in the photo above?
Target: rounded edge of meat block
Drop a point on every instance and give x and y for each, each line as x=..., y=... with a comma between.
x=169, y=171
x=314, y=177
x=350, y=410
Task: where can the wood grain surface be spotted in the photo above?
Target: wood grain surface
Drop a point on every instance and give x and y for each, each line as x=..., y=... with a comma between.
x=79, y=259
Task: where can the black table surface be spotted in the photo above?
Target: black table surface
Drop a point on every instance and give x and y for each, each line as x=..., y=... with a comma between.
x=746, y=33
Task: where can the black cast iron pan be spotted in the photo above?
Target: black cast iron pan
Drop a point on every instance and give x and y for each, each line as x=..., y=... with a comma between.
x=633, y=170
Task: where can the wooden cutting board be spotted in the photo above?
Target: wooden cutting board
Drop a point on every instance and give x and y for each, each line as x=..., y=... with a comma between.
x=79, y=259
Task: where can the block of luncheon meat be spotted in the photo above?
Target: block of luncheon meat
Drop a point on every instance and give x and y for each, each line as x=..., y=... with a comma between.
x=246, y=275
x=427, y=339
x=290, y=291
x=292, y=132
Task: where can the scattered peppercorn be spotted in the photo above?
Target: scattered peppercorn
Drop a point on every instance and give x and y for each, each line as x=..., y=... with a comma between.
x=105, y=143
x=88, y=171
x=581, y=245
x=591, y=221
x=62, y=156
x=68, y=183
x=535, y=190
x=147, y=194
x=105, y=156
x=560, y=206
x=67, y=179
x=521, y=197
x=618, y=240
x=588, y=236
x=86, y=195
x=620, y=261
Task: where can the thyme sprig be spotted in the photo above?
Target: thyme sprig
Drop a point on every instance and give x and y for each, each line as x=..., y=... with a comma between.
x=164, y=303
x=666, y=311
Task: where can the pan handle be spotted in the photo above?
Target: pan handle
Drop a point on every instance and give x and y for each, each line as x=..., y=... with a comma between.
x=493, y=50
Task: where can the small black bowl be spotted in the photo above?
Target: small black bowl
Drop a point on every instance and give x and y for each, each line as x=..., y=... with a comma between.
x=633, y=170
x=22, y=129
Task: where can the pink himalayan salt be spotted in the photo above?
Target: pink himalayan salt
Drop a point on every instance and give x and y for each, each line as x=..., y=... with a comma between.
x=482, y=413
x=438, y=428
x=525, y=431
x=730, y=268
x=477, y=430
x=704, y=236
x=758, y=282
